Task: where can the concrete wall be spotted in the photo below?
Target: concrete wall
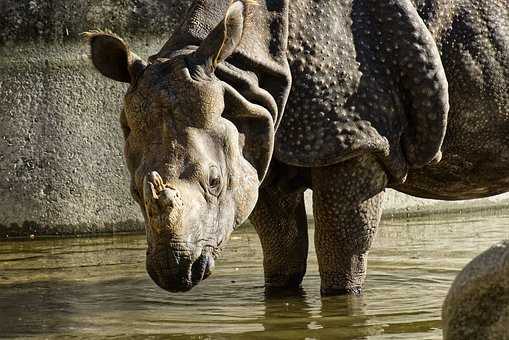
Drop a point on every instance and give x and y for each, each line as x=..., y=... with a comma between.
x=398, y=205
x=61, y=166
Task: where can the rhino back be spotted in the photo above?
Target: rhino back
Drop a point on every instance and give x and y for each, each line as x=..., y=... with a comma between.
x=344, y=101
x=473, y=37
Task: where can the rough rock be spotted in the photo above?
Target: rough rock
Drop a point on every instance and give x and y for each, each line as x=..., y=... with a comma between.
x=477, y=306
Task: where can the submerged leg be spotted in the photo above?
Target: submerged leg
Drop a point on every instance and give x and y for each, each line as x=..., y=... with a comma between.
x=347, y=201
x=280, y=221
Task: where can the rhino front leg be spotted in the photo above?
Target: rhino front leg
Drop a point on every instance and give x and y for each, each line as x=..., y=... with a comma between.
x=347, y=201
x=281, y=223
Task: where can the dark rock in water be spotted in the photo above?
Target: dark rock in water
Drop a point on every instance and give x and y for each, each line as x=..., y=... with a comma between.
x=477, y=306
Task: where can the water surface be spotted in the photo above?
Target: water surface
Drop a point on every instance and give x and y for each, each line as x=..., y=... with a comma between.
x=98, y=288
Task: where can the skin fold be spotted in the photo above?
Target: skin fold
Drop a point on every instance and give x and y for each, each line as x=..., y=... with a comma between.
x=250, y=104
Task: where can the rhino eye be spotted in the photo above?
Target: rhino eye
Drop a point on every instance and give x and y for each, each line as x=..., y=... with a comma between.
x=214, y=181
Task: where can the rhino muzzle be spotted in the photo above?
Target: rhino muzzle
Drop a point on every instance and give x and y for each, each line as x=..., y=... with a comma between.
x=173, y=262
x=176, y=271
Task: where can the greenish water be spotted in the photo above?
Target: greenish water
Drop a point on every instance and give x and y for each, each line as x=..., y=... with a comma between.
x=98, y=288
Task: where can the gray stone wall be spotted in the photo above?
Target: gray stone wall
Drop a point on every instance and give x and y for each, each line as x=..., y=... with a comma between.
x=61, y=163
x=398, y=205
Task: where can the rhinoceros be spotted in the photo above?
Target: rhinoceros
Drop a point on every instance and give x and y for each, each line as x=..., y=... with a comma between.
x=250, y=103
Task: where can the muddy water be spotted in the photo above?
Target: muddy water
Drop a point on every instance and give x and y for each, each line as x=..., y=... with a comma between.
x=97, y=288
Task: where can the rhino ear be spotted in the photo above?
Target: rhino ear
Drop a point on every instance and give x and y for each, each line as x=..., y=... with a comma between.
x=422, y=77
x=223, y=40
x=112, y=57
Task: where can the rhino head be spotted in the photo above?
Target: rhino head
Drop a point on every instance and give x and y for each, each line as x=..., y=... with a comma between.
x=195, y=167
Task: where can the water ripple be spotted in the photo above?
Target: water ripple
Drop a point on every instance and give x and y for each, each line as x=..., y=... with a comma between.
x=98, y=288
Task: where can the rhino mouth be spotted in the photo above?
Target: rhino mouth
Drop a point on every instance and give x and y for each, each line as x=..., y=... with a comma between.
x=176, y=271
x=202, y=268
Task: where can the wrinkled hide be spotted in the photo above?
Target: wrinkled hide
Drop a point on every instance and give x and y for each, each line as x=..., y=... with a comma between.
x=199, y=130
x=258, y=70
x=367, y=78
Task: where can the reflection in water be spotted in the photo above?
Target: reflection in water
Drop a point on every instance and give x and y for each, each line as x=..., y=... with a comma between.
x=330, y=317
x=98, y=287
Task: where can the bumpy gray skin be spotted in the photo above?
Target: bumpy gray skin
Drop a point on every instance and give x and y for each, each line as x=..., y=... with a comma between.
x=473, y=37
x=362, y=88
x=366, y=101
x=477, y=305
